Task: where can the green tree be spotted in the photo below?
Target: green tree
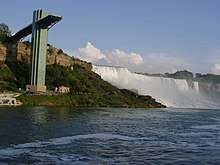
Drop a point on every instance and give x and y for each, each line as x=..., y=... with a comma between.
x=184, y=74
x=60, y=51
x=5, y=32
x=7, y=79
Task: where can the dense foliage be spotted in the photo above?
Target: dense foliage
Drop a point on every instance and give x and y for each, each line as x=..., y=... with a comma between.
x=87, y=89
x=211, y=78
x=20, y=71
x=207, y=78
x=7, y=79
x=181, y=75
x=5, y=32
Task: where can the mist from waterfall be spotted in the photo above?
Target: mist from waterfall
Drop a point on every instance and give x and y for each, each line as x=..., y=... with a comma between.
x=171, y=92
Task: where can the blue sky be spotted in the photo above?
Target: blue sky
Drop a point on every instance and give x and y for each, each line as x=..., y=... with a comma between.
x=143, y=35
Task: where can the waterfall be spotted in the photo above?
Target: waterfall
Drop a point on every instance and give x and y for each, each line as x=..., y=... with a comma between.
x=196, y=86
x=171, y=92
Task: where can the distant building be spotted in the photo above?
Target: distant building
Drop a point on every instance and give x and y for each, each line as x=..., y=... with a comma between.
x=62, y=89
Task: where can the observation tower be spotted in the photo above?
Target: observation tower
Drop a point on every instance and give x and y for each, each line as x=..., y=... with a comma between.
x=42, y=22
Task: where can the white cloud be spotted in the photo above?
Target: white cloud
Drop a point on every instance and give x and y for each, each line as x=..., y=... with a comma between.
x=91, y=53
x=214, y=61
x=215, y=56
x=166, y=59
x=116, y=57
x=163, y=62
x=216, y=69
x=121, y=58
x=152, y=63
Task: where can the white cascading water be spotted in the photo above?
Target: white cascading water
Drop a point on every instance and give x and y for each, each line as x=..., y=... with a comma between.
x=171, y=92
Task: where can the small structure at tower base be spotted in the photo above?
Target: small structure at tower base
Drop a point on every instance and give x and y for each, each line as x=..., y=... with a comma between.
x=36, y=88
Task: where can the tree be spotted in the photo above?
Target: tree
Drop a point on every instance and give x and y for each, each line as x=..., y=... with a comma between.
x=184, y=74
x=60, y=51
x=4, y=32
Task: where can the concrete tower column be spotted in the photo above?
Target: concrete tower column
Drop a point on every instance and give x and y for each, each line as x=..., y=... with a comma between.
x=38, y=53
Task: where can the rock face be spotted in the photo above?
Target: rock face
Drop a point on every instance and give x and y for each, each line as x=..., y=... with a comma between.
x=23, y=51
x=16, y=51
x=55, y=55
x=13, y=51
x=3, y=50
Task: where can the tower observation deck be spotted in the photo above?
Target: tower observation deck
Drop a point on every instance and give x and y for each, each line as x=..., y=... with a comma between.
x=47, y=21
x=42, y=22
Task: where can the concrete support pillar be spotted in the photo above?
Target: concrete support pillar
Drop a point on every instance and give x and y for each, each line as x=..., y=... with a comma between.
x=38, y=53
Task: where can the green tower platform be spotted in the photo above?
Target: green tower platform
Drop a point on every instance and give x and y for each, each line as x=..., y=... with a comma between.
x=41, y=21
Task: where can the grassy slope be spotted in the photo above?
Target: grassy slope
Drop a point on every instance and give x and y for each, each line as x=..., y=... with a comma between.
x=87, y=89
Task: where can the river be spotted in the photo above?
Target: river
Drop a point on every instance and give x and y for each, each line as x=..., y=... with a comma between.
x=67, y=135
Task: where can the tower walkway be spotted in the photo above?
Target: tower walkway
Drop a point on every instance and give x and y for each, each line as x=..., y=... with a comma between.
x=45, y=22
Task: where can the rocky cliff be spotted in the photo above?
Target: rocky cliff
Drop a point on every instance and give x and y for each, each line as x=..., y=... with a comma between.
x=16, y=51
